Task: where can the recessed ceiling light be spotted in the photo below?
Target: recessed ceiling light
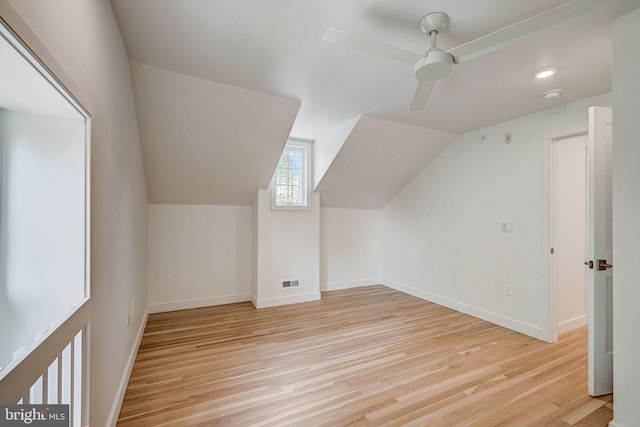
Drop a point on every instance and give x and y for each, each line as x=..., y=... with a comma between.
x=545, y=73
x=551, y=94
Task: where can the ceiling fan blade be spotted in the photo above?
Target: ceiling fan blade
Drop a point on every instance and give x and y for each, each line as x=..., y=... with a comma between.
x=508, y=35
x=354, y=41
x=421, y=97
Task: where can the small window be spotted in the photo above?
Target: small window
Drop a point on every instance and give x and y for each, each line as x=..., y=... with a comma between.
x=290, y=184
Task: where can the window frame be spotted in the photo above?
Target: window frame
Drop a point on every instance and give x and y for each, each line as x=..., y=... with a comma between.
x=304, y=147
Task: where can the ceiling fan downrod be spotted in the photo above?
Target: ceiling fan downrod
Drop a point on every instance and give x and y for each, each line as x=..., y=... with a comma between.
x=436, y=63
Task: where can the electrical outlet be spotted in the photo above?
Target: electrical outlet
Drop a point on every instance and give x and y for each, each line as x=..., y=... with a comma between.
x=506, y=227
x=508, y=289
x=219, y=273
x=128, y=316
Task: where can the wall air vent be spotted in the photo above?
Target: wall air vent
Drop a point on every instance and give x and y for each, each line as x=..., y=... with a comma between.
x=291, y=284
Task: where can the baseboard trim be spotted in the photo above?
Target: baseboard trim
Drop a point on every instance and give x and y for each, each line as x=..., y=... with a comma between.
x=198, y=302
x=571, y=324
x=124, y=381
x=292, y=299
x=335, y=286
x=515, y=325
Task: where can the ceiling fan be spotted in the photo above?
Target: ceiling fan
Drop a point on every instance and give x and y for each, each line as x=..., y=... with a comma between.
x=437, y=64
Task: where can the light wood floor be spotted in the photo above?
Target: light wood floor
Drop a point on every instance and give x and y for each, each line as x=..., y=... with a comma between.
x=365, y=356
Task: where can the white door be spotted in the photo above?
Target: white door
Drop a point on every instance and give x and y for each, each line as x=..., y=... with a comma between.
x=600, y=277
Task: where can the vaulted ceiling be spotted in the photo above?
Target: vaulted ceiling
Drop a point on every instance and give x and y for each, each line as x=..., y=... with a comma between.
x=219, y=85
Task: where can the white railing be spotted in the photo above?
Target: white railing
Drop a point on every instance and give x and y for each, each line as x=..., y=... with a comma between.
x=54, y=369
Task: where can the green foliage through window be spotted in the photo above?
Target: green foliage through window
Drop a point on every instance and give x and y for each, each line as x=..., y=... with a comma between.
x=290, y=180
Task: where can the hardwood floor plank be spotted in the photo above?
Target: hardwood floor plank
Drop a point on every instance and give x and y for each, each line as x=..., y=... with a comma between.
x=359, y=357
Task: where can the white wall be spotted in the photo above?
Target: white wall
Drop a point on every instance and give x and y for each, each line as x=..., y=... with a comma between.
x=626, y=222
x=569, y=239
x=349, y=248
x=82, y=37
x=287, y=245
x=441, y=236
x=199, y=255
x=42, y=230
x=188, y=243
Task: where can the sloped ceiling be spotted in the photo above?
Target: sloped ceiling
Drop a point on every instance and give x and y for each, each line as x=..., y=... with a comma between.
x=394, y=154
x=220, y=84
x=205, y=142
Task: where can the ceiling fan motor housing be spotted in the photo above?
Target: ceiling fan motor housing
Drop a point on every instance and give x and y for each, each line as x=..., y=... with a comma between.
x=436, y=65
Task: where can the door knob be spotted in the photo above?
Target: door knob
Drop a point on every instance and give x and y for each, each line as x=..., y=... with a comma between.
x=602, y=265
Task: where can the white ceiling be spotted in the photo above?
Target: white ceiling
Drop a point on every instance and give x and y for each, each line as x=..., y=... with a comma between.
x=275, y=50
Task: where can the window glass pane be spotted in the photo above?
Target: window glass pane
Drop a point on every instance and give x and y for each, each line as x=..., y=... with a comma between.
x=290, y=178
x=281, y=193
x=294, y=194
x=294, y=177
x=284, y=160
x=294, y=160
x=282, y=176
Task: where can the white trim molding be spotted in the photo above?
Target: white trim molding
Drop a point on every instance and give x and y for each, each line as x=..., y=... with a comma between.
x=293, y=299
x=124, y=381
x=572, y=324
x=334, y=286
x=198, y=302
x=497, y=319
